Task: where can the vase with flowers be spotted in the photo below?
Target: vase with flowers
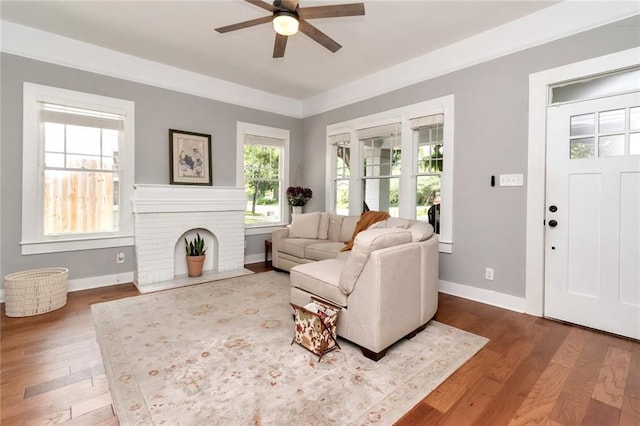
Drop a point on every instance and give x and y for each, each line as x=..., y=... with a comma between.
x=297, y=197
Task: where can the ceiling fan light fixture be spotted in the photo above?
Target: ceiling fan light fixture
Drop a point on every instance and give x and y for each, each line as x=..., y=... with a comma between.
x=285, y=23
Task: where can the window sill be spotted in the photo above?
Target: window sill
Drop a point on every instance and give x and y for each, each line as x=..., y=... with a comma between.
x=75, y=244
x=446, y=247
x=263, y=229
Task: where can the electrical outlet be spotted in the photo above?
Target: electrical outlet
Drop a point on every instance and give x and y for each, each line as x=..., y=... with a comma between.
x=120, y=257
x=488, y=274
x=512, y=180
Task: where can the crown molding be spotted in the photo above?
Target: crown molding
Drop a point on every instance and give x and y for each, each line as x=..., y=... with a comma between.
x=43, y=46
x=553, y=23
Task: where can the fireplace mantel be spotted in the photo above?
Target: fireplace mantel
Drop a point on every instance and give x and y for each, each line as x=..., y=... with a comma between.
x=184, y=198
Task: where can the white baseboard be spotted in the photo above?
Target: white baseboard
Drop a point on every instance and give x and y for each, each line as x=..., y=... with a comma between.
x=93, y=282
x=254, y=258
x=102, y=281
x=489, y=297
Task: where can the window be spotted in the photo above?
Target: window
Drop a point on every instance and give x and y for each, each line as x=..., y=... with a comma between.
x=405, y=164
x=262, y=159
x=381, y=155
x=604, y=134
x=78, y=153
x=341, y=146
x=428, y=140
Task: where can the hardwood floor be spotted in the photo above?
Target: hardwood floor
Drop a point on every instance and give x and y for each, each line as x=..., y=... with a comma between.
x=533, y=371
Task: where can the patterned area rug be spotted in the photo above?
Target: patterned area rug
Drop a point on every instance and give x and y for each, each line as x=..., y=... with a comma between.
x=220, y=353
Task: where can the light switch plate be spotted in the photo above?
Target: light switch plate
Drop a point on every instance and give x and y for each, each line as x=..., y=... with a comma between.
x=516, y=179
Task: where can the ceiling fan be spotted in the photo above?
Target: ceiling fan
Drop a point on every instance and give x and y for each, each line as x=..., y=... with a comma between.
x=287, y=18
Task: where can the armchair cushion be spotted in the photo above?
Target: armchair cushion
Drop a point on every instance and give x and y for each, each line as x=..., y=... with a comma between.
x=305, y=225
x=365, y=243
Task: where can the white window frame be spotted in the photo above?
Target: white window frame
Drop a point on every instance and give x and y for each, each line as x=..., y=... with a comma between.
x=268, y=132
x=33, y=239
x=332, y=152
x=443, y=105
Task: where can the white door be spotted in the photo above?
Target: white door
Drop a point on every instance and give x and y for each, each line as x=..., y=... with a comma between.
x=592, y=237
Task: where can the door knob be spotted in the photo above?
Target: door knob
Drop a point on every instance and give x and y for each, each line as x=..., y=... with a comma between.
x=553, y=223
x=553, y=209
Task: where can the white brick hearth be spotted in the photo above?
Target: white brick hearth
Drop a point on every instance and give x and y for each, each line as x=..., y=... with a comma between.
x=165, y=214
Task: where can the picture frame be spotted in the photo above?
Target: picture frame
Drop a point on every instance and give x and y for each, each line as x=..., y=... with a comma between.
x=190, y=158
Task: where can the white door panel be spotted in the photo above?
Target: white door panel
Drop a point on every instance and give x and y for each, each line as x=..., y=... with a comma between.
x=592, y=239
x=629, y=237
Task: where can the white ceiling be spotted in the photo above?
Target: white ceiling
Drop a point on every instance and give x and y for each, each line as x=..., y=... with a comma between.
x=181, y=34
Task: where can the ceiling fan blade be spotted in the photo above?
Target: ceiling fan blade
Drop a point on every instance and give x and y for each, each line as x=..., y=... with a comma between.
x=333, y=11
x=319, y=36
x=262, y=4
x=290, y=4
x=245, y=24
x=279, y=46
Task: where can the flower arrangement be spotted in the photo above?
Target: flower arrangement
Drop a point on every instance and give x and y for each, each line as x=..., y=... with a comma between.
x=298, y=196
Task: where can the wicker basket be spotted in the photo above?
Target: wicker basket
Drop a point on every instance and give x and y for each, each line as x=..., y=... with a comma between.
x=35, y=291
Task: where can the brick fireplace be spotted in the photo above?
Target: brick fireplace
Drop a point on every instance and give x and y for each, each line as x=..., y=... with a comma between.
x=165, y=214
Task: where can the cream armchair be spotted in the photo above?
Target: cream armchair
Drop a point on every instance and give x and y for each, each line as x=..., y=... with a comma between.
x=387, y=287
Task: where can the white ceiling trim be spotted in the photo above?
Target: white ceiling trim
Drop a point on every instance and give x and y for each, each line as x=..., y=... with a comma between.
x=31, y=43
x=564, y=19
x=552, y=23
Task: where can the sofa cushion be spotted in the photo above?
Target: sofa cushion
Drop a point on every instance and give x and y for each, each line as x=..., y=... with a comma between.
x=295, y=246
x=365, y=243
x=305, y=225
x=348, y=226
x=323, y=250
x=335, y=225
x=343, y=255
x=323, y=228
x=367, y=219
x=420, y=231
x=321, y=279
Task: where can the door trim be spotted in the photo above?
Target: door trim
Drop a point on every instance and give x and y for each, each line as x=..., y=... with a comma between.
x=539, y=84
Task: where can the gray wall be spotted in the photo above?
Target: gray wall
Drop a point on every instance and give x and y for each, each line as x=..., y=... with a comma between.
x=491, y=119
x=157, y=110
x=491, y=101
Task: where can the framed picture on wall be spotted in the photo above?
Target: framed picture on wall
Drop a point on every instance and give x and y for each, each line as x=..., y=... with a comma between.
x=190, y=158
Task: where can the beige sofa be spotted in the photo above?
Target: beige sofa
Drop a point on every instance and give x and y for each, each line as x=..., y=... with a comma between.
x=311, y=237
x=386, y=286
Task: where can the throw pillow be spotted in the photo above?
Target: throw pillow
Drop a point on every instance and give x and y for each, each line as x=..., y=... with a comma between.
x=335, y=225
x=305, y=225
x=420, y=231
x=348, y=225
x=323, y=230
